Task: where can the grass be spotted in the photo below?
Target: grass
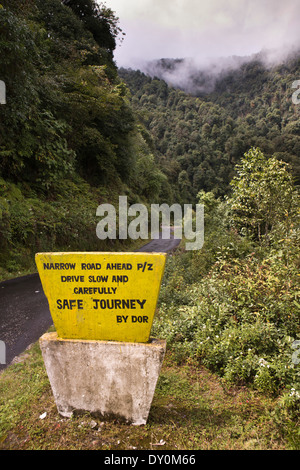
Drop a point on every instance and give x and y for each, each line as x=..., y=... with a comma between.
x=191, y=410
x=17, y=270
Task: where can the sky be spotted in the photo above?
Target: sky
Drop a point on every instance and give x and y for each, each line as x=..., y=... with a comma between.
x=203, y=30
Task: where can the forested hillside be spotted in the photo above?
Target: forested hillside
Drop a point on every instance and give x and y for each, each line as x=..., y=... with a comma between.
x=69, y=139
x=200, y=136
x=232, y=306
x=76, y=132
x=72, y=135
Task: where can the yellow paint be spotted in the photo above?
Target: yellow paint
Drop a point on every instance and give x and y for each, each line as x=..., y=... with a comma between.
x=102, y=296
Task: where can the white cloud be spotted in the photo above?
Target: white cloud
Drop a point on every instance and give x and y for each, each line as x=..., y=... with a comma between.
x=200, y=29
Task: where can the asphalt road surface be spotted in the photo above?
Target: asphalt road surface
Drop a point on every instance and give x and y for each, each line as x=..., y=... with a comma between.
x=24, y=310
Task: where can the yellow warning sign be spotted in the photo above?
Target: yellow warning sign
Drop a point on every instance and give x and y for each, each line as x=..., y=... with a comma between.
x=102, y=296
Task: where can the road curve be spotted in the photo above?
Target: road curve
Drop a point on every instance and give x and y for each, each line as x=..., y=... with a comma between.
x=24, y=310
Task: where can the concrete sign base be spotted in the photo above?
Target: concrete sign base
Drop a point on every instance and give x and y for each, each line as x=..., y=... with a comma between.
x=107, y=378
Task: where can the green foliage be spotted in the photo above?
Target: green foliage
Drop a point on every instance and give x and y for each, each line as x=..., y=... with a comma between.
x=30, y=224
x=206, y=135
x=41, y=150
x=264, y=200
x=68, y=135
x=70, y=112
x=18, y=53
x=234, y=305
x=98, y=19
x=243, y=315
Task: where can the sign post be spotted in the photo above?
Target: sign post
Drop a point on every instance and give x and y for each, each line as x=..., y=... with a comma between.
x=101, y=358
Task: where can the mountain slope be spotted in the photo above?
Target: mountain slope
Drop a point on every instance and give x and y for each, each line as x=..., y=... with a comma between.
x=200, y=136
x=69, y=139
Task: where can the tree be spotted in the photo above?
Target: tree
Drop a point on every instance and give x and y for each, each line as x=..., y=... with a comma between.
x=264, y=201
x=98, y=19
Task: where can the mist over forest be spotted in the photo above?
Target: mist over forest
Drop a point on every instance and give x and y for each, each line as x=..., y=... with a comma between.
x=202, y=120
x=200, y=76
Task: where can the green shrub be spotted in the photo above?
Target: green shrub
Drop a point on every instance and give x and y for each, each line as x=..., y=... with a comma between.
x=239, y=320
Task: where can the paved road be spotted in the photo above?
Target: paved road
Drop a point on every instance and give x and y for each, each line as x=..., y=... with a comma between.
x=24, y=314
x=24, y=311
x=160, y=245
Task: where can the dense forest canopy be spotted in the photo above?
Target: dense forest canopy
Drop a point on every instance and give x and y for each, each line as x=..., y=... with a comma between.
x=77, y=131
x=69, y=138
x=200, y=136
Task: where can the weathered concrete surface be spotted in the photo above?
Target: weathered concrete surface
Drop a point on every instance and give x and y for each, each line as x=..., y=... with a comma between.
x=110, y=379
